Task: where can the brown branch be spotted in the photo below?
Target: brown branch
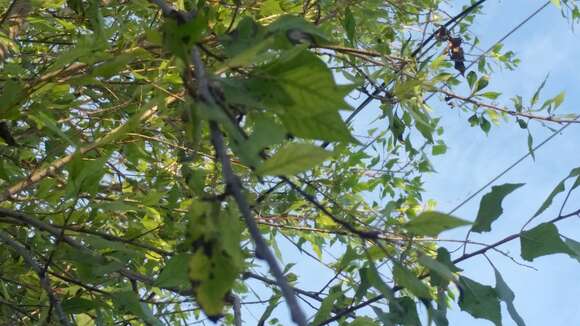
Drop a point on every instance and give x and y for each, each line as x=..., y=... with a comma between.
x=235, y=187
x=464, y=257
x=469, y=99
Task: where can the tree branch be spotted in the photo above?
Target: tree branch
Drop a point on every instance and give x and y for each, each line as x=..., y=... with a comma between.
x=44, y=280
x=481, y=251
x=235, y=187
x=469, y=99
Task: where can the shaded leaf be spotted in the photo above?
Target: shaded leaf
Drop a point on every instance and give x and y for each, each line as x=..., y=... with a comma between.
x=129, y=302
x=175, y=273
x=409, y=280
x=79, y=305
x=326, y=307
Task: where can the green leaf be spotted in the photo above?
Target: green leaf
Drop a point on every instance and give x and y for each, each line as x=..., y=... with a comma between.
x=266, y=132
x=574, y=248
x=326, y=307
x=531, y=145
x=481, y=83
x=432, y=223
x=12, y=93
x=287, y=23
x=293, y=159
x=349, y=25
x=308, y=82
x=216, y=259
x=175, y=273
x=85, y=174
x=484, y=124
x=441, y=277
x=327, y=126
x=542, y=240
x=471, y=78
x=375, y=280
x=440, y=273
x=128, y=301
x=536, y=95
x=363, y=321
x=274, y=301
x=559, y=99
x=490, y=206
x=490, y=95
x=561, y=187
x=402, y=311
x=506, y=295
x=409, y=280
x=439, y=149
x=556, y=3
x=481, y=301
x=79, y=305
x=179, y=37
x=43, y=119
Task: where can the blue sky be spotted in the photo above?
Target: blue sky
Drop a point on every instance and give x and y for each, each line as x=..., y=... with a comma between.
x=547, y=44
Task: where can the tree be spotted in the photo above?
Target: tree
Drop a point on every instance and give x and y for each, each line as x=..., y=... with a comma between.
x=155, y=152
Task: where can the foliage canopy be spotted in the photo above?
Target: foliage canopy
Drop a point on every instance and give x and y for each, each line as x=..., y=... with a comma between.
x=154, y=153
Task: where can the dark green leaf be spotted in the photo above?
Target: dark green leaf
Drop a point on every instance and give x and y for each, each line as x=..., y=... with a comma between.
x=375, y=280
x=536, y=95
x=481, y=301
x=490, y=206
x=531, y=145
x=326, y=307
x=440, y=275
x=128, y=301
x=349, y=25
x=506, y=295
x=471, y=78
x=542, y=240
x=409, y=280
x=484, y=124
x=559, y=189
x=79, y=305
x=274, y=302
x=574, y=248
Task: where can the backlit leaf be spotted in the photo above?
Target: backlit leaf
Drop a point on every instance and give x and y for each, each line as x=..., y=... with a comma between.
x=432, y=223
